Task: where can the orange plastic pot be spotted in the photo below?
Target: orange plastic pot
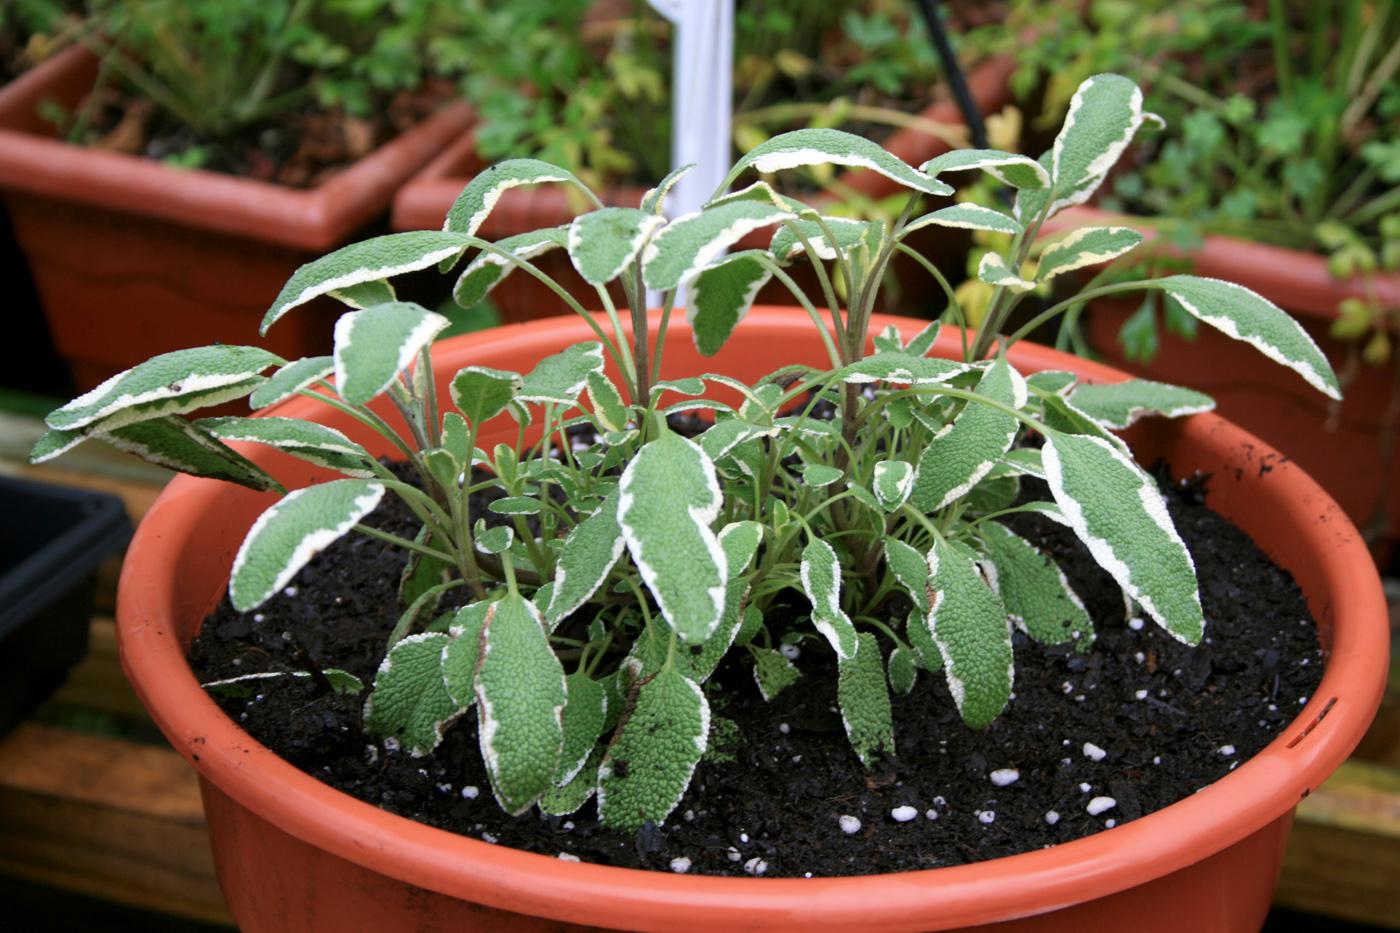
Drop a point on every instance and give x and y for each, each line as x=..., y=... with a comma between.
x=1338, y=445
x=294, y=853
x=423, y=202
x=133, y=258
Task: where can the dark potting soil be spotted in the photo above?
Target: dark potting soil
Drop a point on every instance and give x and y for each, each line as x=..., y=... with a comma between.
x=1140, y=719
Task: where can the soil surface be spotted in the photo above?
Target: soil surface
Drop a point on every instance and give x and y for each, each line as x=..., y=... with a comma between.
x=1140, y=719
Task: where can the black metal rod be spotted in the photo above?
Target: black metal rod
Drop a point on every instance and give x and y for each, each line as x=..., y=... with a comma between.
x=957, y=81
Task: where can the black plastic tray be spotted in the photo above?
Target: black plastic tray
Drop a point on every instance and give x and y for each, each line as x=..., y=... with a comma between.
x=52, y=539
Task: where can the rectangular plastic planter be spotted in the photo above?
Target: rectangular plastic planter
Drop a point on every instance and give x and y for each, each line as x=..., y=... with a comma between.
x=55, y=537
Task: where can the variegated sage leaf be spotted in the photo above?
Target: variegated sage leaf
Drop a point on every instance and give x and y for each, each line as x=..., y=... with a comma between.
x=894, y=480
x=833, y=147
x=566, y=800
x=180, y=445
x=668, y=498
x=1245, y=315
x=1120, y=404
x=481, y=393
x=1025, y=461
x=691, y=243
x=306, y=440
x=1087, y=246
x=584, y=715
x=654, y=200
x=495, y=540
x=520, y=696
x=821, y=581
x=958, y=457
x=903, y=670
x=922, y=342
x=721, y=296
x=291, y=379
x=54, y=443
x=865, y=701
x=462, y=655
x=286, y=536
x=760, y=192
x=788, y=242
x=374, y=345
x=1117, y=511
x=560, y=379
x=421, y=573
x=772, y=672
x=168, y=384
x=366, y=294
x=489, y=267
x=818, y=475
x=994, y=271
x=409, y=701
x=654, y=752
x=966, y=217
x=603, y=242
x=1037, y=594
x=608, y=406
x=1058, y=381
x=969, y=624
x=740, y=541
x=479, y=197
x=910, y=569
x=589, y=554
x=903, y=368
x=371, y=260
x=995, y=492
x=1018, y=171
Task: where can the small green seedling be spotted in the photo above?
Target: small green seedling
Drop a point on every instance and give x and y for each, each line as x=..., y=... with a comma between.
x=620, y=562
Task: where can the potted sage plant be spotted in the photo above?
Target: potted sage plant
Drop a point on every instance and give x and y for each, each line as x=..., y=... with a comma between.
x=559, y=563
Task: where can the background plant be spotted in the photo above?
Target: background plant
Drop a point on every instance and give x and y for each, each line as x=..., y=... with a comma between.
x=621, y=561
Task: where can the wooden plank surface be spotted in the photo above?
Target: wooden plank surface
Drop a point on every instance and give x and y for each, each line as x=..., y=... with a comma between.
x=108, y=818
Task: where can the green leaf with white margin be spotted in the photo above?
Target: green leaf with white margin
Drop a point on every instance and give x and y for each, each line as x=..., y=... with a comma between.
x=291, y=379
x=865, y=701
x=421, y=574
x=520, y=696
x=584, y=715
x=1086, y=246
x=1120, y=404
x=374, y=345
x=833, y=147
x=366, y=294
x=821, y=581
x=668, y=498
x=910, y=569
x=922, y=342
x=818, y=475
x=471, y=208
x=1025, y=461
x=959, y=456
x=660, y=740
x=772, y=672
x=286, y=536
x=787, y=244
x=1117, y=511
x=489, y=267
x=604, y=241
x=307, y=440
x=561, y=378
x=1018, y=171
x=760, y=192
x=970, y=626
x=903, y=368
x=1104, y=115
x=994, y=271
x=966, y=216
x=721, y=296
x=903, y=670
x=567, y=800
x=367, y=261
x=888, y=341
x=1058, y=381
x=589, y=554
x=654, y=201
x=894, y=480
x=608, y=406
x=168, y=384
x=53, y=444
x=409, y=701
x=692, y=242
x=740, y=542
x=1037, y=594
x=481, y=393
x=516, y=505
x=1245, y=315
x=495, y=540
x=181, y=445
x=462, y=656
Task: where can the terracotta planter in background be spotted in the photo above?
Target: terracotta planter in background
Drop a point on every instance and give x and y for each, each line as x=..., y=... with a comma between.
x=288, y=846
x=424, y=201
x=1338, y=445
x=133, y=258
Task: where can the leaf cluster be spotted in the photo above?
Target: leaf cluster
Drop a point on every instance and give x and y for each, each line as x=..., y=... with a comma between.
x=619, y=562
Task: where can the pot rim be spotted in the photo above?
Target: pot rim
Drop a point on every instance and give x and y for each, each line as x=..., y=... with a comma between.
x=1255, y=794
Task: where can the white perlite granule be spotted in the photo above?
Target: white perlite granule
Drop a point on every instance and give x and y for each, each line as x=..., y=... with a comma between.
x=470, y=792
x=850, y=825
x=755, y=866
x=1003, y=777
x=903, y=814
x=1093, y=752
x=1227, y=750
x=987, y=816
x=680, y=864
x=1052, y=817
x=1101, y=805
x=568, y=857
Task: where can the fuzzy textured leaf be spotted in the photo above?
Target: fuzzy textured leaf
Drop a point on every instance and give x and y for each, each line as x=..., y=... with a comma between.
x=604, y=241
x=589, y=554
x=488, y=268
x=721, y=296
x=479, y=197
x=409, y=701
x=969, y=624
x=1120, y=404
x=834, y=147
x=1018, y=171
x=865, y=701
x=291, y=379
x=181, y=445
x=821, y=581
x=481, y=393
x=561, y=378
x=374, y=345
x=692, y=242
x=967, y=217
x=1087, y=246
x=1037, y=594
x=957, y=458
